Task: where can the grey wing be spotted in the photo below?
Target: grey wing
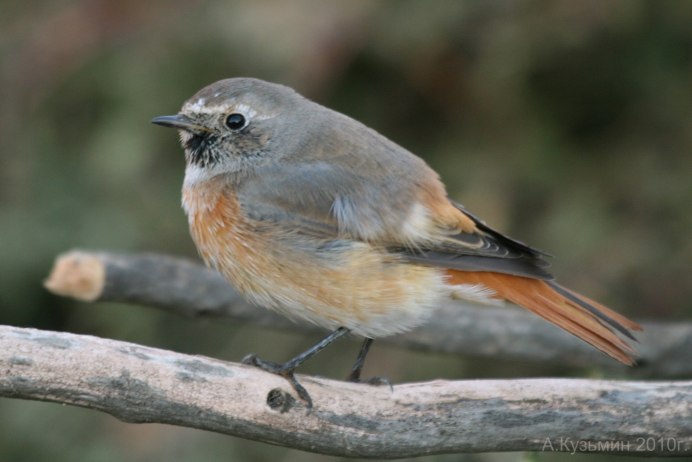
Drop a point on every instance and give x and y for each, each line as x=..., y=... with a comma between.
x=342, y=199
x=327, y=199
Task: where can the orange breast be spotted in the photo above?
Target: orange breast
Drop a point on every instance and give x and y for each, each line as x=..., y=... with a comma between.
x=354, y=285
x=223, y=236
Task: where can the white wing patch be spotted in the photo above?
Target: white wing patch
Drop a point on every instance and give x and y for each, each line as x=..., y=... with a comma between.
x=350, y=221
x=415, y=229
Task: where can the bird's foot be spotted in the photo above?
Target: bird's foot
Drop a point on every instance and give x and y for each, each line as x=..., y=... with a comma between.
x=285, y=370
x=375, y=381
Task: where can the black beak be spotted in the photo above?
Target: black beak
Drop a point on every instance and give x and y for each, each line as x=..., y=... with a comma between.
x=180, y=122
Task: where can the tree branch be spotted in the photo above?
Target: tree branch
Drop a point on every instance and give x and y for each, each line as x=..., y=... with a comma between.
x=139, y=384
x=187, y=288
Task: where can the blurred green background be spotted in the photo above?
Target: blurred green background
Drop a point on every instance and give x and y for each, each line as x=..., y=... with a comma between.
x=567, y=124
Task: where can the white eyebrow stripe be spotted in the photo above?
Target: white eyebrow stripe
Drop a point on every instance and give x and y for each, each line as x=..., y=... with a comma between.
x=246, y=110
x=199, y=106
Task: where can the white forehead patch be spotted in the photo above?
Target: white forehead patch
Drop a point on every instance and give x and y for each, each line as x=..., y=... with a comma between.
x=196, y=106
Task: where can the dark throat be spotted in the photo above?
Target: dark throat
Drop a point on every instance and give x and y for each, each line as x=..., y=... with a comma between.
x=201, y=151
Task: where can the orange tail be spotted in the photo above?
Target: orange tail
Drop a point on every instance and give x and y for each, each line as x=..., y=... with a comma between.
x=578, y=315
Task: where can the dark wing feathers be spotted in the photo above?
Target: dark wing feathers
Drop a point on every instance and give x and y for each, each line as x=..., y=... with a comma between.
x=485, y=250
x=513, y=243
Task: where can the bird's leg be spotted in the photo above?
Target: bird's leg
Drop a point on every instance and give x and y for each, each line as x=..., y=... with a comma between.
x=354, y=376
x=286, y=369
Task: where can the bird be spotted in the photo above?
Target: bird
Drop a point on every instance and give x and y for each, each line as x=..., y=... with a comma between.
x=313, y=214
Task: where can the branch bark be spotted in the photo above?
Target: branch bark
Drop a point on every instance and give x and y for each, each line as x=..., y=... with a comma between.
x=187, y=288
x=139, y=384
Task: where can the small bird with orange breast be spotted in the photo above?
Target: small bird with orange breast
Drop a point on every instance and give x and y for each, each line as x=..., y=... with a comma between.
x=308, y=212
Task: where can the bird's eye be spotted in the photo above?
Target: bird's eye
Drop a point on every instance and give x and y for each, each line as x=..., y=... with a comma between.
x=236, y=121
